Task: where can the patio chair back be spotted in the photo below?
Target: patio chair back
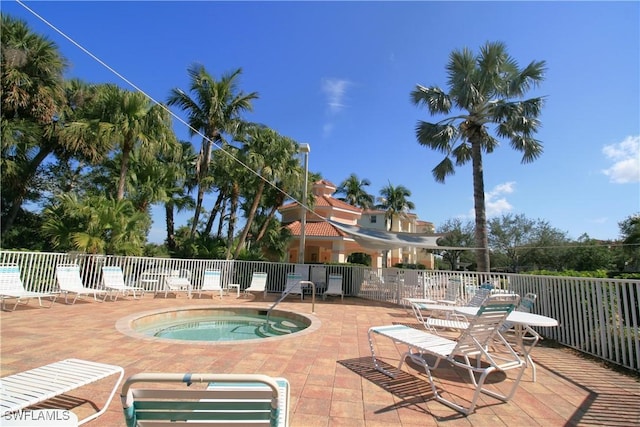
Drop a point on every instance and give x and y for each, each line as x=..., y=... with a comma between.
x=479, y=297
x=293, y=285
x=452, y=292
x=69, y=279
x=334, y=287
x=527, y=302
x=211, y=282
x=258, y=283
x=485, y=325
x=113, y=277
x=10, y=280
x=229, y=399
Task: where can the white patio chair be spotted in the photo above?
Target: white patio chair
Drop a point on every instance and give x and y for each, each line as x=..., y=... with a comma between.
x=178, y=281
x=334, y=287
x=70, y=282
x=468, y=352
x=258, y=284
x=113, y=280
x=452, y=292
x=452, y=320
x=11, y=287
x=211, y=283
x=293, y=286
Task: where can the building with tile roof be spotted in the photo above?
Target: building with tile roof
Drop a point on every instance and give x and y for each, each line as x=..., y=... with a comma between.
x=325, y=243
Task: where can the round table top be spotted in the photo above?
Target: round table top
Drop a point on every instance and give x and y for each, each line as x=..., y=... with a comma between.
x=520, y=317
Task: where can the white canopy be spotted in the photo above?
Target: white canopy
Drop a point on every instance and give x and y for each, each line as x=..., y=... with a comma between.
x=371, y=238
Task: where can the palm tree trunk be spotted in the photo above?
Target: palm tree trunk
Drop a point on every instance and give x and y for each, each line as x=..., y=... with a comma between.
x=482, y=239
x=202, y=169
x=235, y=194
x=265, y=224
x=170, y=223
x=250, y=216
x=124, y=165
x=16, y=203
x=214, y=213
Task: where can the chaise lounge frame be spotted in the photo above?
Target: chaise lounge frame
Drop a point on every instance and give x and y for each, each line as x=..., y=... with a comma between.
x=28, y=388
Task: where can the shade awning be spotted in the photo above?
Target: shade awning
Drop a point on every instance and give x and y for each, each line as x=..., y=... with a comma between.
x=372, y=238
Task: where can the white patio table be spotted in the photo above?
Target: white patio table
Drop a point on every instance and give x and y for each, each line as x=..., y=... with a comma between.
x=522, y=322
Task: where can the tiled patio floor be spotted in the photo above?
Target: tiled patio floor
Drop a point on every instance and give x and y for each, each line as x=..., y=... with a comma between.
x=330, y=369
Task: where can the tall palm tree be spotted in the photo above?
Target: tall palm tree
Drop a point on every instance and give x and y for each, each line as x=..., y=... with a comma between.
x=32, y=94
x=130, y=120
x=214, y=109
x=354, y=192
x=269, y=155
x=395, y=201
x=484, y=89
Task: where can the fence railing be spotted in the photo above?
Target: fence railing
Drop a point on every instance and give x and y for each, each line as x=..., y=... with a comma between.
x=600, y=317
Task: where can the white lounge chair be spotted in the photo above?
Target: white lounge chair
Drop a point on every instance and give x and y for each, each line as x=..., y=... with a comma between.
x=178, y=281
x=211, y=283
x=469, y=352
x=70, y=282
x=433, y=323
x=228, y=399
x=334, y=287
x=113, y=281
x=28, y=388
x=451, y=319
x=11, y=287
x=258, y=284
x=293, y=286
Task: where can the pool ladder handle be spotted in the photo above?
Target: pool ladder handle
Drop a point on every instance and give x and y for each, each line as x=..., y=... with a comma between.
x=313, y=294
x=302, y=283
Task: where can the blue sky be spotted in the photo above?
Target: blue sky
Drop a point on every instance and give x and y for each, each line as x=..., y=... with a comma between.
x=337, y=75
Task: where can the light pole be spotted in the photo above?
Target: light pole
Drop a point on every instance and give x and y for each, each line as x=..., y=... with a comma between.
x=304, y=148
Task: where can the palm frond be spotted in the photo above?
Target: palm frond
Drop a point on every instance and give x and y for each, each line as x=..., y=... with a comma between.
x=436, y=100
x=531, y=148
x=443, y=170
x=436, y=136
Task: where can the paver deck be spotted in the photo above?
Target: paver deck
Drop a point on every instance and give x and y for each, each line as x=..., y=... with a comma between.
x=333, y=382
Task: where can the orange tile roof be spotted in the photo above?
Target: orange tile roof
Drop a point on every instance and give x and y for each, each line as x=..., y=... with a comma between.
x=325, y=201
x=333, y=202
x=316, y=229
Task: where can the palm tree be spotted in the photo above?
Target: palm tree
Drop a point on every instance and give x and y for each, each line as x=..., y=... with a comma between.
x=486, y=89
x=355, y=194
x=271, y=156
x=178, y=169
x=32, y=94
x=394, y=200
x=214, y=110
x=130, y=120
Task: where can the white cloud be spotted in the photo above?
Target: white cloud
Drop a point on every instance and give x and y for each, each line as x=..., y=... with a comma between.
x=495, y=200
x=625, y=156
x=335, y=90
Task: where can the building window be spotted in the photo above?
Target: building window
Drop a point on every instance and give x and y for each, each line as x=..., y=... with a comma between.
x=373, y=219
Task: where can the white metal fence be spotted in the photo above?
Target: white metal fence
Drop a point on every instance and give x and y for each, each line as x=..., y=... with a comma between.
x=600, y=317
